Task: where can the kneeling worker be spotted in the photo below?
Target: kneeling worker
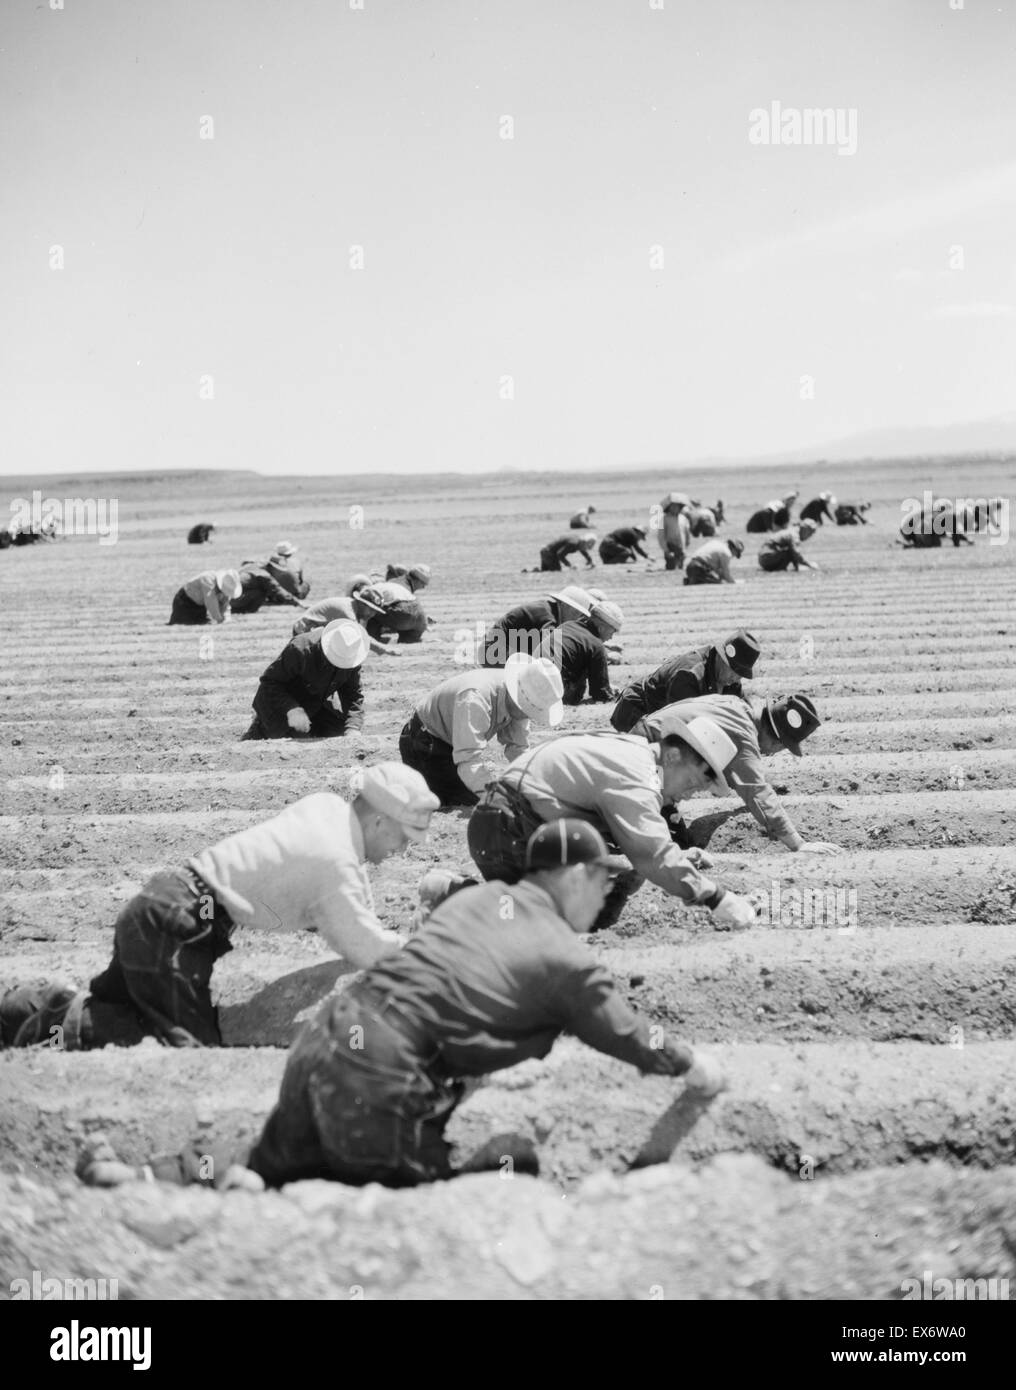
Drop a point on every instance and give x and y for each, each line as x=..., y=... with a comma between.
x=312, y=689
x=491, y=979
x=303, y=869
x=447, y=738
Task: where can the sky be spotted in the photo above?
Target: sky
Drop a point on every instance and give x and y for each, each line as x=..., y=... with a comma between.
x=344, y=236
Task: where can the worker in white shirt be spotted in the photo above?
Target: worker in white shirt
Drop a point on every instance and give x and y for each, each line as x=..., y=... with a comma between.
x=447, y=737
x=206, y=598
x=303, y=869
x=710, y=564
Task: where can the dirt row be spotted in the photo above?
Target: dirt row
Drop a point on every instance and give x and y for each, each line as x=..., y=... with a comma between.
x=732, y=1229
x=846, y=1106
x=947, y=984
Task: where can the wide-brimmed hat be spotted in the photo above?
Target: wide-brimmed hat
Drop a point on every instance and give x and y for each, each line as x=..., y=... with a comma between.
x=735, y=547
x=740, y=651
x=579, y=599
x=285, y=549
x=229, y=582
x=792, y=719
x=345, y=644
x=560, y=843
x=370, y=598
x=535, y=685
x=676, y=499
x=420, y=575
x=707, y=739
x=400, y=792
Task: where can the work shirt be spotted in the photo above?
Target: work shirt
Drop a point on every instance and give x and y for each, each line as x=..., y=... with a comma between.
x=612, y=781
x=302, y=869
x=204, y=589
x=520, y=630
x=629, y=538
x=326, y=611
x=302, y=677
x=674, y=533
x=683, y=677
x=467, y=711
x=257, y=580
x=496, y=974
x=715, y=556
x=744, y=772
x=818, y=509
x=289, y=574
x=784, y=543
x=582, y=659
x=580, y=521
x=393, y=592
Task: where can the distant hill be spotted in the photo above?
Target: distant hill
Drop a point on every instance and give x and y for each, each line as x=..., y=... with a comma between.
x=994, y=436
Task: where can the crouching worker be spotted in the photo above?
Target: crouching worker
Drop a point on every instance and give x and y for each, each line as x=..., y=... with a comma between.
x=312, y=690
x=491, y=979
x=303, y=869
x=207, y=598
x=608, y=780
x=360, y=607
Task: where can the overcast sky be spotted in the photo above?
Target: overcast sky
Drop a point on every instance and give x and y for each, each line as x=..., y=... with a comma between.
x=629, y=278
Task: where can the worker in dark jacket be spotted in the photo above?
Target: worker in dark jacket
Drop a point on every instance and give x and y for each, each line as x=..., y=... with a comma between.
x=926, y=528
x=555, y=556
x=820, y=509
x=578, y=650
x=775, y=515
x=492, y=978
x=259, y=587
x=413, y=577
x=581, y=520
x=200, y=534
x=852, y=514
x=625, y=544
x=285, y=568
x=783, y=549
x=715, y=670
x=312, y=689
x=522, y=629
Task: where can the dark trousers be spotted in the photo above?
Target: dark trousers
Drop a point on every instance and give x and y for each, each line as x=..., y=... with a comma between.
x=773, y=560
x=497, y=834
x=630, y=708
x=434, y=760
x=407, y=619
x=613, y=553
x=673, y=557
x=327, y=723
x=363, y=1099
x=185, y=610
x=167, y=940
x=698, y=573
x=549, y=560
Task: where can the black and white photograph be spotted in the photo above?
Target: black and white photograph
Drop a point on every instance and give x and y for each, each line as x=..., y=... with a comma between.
x=508, y=709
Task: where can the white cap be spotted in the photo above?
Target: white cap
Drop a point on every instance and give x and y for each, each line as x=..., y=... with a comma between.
x=608, y=615
x=579, y=599
x=344, y=643
x=229, y=582
x=535, y=684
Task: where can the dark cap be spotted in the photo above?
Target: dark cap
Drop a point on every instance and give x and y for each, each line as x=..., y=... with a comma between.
x=740, y=651
x=562, y=842
x=793, y=719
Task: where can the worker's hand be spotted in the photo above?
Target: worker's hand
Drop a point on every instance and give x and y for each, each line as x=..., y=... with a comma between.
x=819, y=847
x=298, y=721
x=698, y=858
x=733, y=911
x=706, y=1077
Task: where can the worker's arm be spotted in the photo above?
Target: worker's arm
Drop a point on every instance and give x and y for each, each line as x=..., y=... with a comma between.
x=746, y=778
x=213, y=599
x=592, y=1009
x=514, y=738
x=470, y=722
x=637, y=546
x=632, y=813
x=351, y=698
x=599, y=676
x=723, y=565
x=345, y=916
